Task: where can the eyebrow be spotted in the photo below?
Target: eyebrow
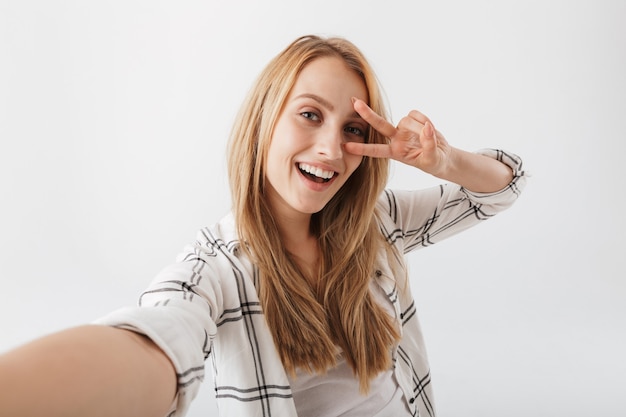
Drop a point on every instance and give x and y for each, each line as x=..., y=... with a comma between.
x=324, y=102
x=319, y=99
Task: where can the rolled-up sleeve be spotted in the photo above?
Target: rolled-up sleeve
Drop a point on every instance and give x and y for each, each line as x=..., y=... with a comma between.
x=502, y=199
x=420, y=218
x=178, y=312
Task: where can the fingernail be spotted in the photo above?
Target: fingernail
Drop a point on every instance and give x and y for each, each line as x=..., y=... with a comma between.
x=353, y=100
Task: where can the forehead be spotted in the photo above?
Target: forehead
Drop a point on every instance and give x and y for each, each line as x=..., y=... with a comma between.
x=332, y=76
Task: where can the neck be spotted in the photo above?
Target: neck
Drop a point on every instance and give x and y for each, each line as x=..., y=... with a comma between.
x=294, y=228
x=296, y=235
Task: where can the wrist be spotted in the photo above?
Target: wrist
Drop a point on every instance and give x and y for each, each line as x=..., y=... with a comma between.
x=449, y=165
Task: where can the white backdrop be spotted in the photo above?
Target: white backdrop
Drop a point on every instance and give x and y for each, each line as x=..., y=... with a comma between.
x=113, y=123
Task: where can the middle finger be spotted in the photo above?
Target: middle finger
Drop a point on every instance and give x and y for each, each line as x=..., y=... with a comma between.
x=373, y=119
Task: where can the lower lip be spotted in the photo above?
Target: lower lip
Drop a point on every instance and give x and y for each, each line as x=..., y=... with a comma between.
x=315, y=186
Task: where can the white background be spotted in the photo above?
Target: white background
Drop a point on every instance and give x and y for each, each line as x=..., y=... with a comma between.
x=113, y=122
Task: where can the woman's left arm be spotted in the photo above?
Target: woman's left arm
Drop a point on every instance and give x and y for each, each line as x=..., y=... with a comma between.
x=476, y=172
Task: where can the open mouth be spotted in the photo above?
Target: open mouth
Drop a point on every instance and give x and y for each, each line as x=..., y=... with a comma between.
x=316, y=174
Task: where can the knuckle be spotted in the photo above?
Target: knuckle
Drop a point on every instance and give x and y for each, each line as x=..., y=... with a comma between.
x=404, y=123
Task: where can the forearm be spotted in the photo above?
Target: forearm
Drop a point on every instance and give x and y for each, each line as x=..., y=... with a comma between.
x=87, y=371
x=476, y=172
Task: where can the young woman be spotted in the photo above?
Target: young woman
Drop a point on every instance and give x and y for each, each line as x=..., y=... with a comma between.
x=301, y=295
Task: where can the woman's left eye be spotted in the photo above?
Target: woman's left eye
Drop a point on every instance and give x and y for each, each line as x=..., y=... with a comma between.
x=353, y=130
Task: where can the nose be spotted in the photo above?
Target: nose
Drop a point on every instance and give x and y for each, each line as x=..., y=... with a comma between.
x=329, y=143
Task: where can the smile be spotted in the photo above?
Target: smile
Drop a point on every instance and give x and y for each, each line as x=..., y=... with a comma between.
x=315, y=174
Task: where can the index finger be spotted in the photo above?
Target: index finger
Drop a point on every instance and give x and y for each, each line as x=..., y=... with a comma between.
x=373, y=119
x=374, y=150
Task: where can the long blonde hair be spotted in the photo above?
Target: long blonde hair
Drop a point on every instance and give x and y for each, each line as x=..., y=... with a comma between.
x=308, y=323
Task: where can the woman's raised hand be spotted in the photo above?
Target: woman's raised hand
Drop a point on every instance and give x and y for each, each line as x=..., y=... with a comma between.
x=415, y=141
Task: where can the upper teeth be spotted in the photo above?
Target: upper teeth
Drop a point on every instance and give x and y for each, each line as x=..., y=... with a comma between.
x=316, y=171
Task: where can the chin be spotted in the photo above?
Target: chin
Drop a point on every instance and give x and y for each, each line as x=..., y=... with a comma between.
x=311, y=208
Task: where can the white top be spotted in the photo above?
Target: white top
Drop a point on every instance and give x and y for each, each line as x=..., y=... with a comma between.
x=336, y=394
x=207, y=305
x=311, y=392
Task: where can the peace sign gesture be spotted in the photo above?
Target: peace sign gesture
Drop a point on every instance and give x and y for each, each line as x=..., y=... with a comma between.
x=414, y=141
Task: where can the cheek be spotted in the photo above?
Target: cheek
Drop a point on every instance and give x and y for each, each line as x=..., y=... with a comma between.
x=277, y=148
x=274, y=166
x=353, y=162
x=283, y=142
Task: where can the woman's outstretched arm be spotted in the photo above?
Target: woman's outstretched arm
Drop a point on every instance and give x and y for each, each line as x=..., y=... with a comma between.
x=87, y=371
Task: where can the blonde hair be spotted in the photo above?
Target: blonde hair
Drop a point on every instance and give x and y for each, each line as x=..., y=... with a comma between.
x=308, y=323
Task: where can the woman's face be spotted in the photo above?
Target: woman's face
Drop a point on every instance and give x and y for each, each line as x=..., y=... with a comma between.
x=306, y=161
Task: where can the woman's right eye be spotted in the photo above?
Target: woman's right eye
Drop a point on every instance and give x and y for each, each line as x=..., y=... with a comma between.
x=310, y=115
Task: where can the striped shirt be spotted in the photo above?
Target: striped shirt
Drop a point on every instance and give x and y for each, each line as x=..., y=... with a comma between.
x=206, y=304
